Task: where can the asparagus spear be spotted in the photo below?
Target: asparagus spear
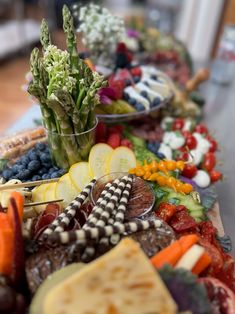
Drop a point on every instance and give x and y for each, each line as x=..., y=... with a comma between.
x=45, y=37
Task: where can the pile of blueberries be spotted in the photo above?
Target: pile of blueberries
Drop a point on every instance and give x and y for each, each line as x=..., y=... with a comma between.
x=154, y=147
x=35, y=165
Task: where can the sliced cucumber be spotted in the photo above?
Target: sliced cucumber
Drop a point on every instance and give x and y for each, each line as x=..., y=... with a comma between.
x=195, y=209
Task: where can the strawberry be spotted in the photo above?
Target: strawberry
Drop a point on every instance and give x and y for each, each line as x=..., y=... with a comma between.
x=101, y=131
x=114, y=140
x=126, y=142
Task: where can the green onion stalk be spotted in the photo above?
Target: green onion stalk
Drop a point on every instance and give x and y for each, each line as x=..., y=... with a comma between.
x=67, y=90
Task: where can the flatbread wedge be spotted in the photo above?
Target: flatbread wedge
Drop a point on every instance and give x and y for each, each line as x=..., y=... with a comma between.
x=120, y=282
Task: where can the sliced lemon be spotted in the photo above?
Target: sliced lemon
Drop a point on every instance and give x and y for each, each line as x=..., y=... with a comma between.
x=122, y=160
x=65, y=190
x=98, y=159
x=80, y=175
x=38, y=196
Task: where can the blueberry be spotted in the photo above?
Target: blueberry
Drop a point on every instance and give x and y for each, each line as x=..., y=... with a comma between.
x=45, y=176
x=45, y=158
x=17, y=168
x=127, y=82
x=157, y=145
x=125, y=96
x=42, y=171
x=40, y=146
x=146, y=83
x=33, y=156
x=54, y=175
x=61, y=172
x=136, y=79
x=25, y=160
x=154, y=77
x=36, y=177
x=144, y=93
x=139, y=106
x=47, y=165
x=7, y=174
x=161, y=156
x=132, y=101
x=24, y=175
x=51, y=170
x=34, y=165
x=156, y=102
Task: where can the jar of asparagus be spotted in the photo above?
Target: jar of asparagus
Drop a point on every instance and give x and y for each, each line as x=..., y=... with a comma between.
x=67, y=91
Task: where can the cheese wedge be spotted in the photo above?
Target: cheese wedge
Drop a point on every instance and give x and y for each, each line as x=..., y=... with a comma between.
x=120, y=282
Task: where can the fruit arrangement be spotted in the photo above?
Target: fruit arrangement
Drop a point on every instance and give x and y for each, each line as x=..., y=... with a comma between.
x=130, y=228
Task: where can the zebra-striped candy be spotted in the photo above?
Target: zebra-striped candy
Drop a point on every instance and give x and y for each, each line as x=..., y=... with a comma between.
x=96, y=233
x=105, y=215
x=68, y=214
x=119, y=217
x=102, y=201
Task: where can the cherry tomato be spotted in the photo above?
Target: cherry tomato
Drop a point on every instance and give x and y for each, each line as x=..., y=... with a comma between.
x=183, y=156
x=215, y=175
x=186, y=134
x=187, y=188
x=178, y=124
x=214, y=144
x=191, y=142
x=201, y=128
x=180, y=165
x=136, y=71
x=209, y=161
x=189, y=171
x=165, y=211
x=170, y=164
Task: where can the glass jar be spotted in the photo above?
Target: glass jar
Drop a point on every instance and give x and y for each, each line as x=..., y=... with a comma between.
x=67, y=149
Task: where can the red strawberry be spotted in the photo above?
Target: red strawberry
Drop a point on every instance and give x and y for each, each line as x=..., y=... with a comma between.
x=127, y=143
x=116, y=129
x=101, y=131
x=114, y=140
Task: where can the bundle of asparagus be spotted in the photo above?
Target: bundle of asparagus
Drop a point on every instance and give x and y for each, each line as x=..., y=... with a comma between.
x=67, y=92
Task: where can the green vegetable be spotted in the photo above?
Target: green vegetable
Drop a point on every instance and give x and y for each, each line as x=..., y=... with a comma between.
x=67, y=91
x=136, y=141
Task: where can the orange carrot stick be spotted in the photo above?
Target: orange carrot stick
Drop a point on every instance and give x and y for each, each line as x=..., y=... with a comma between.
x=187, y=241
x=170, y=255
x=6, y=245
x=203, y=262
x=19, y=199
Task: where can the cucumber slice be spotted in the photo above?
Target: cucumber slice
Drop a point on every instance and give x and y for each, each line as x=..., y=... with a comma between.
x=195, y=209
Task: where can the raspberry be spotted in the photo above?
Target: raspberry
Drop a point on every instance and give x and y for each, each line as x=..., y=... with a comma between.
x=100, y=132
x=114, y=140
x=126, y=142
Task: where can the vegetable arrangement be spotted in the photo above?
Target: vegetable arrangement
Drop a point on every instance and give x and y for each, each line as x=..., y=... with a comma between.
x=67, y=92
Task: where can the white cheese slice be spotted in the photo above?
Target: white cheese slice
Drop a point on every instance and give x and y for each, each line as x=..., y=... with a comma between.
x=132, y=92
x=190, y=258
x=187, y=125
x=151, y=94
x=203, y=145
x=122, y=281
x=196, y=156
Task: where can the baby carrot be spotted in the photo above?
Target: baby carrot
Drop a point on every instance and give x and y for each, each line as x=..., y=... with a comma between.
x=170, y=255
x=19, y=199
x=203, y=262
x=6, y=245
x=187, y=241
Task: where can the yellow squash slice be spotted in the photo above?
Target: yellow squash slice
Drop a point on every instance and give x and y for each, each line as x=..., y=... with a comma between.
x=65, y=190
x=38, y=196
x=98, y=160
x=80, y=175
x=121, y=160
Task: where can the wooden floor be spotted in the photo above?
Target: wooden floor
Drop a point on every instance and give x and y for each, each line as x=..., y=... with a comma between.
x=14, y=101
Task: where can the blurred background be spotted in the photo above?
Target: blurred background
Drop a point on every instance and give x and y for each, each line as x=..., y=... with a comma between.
x=206, y=27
